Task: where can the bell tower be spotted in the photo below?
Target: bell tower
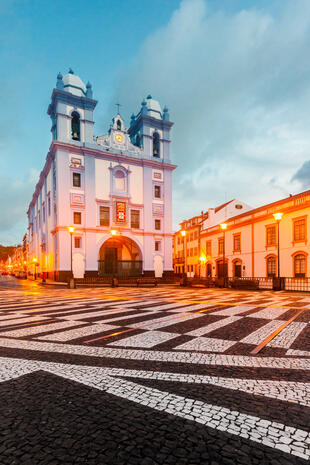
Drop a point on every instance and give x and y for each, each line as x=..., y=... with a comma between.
x=150, y=130
x=71, y=110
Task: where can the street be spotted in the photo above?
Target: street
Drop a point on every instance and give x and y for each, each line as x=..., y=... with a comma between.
x=162, y=375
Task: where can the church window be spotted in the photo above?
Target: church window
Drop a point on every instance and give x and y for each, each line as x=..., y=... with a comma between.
x=157, y=193
x=75, y=126
x=77, y=242
x=135, y=219
x=157, y=225
x=157, y=246
x=104, y=216
x=77, y=218
x=119, y=181
x=76, y=180
x=119, y=124
x=156, y=152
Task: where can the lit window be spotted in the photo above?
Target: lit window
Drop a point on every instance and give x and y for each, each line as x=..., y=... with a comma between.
x=77, y=218
x=76, y=180
x=104, y=216
x=135, y=219
x=157, y=246
x=300, y=230
x=300, y=266
x=77, y=242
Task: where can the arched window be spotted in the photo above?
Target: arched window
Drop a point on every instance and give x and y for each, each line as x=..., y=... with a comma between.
x=119, y=124
x=271, y=266
x=119, y=181
x=156, y=152
x=75, y=126
x=300, y=266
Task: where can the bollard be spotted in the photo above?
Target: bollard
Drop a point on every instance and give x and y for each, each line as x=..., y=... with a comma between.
x=71, y=284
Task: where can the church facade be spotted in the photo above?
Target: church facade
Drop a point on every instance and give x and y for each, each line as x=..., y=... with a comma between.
x=103, y=205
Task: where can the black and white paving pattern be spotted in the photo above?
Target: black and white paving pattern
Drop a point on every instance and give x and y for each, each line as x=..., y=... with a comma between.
x=153, y=376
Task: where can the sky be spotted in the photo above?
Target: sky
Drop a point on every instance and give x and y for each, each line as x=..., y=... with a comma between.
x=234, y=74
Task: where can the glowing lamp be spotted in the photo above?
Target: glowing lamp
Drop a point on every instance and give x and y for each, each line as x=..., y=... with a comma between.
x=223, y=226
x=113, y=232
x=34, y=259
x=203, y=259
x=25, y=263
x=277, y=216
x=71, y=229
x=183, y=233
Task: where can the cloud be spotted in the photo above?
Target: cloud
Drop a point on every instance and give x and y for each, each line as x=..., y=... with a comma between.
x=13, y=193
x=238, y=89
x=303, y=175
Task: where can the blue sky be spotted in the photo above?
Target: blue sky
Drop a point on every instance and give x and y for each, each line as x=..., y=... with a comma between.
x=234, y=74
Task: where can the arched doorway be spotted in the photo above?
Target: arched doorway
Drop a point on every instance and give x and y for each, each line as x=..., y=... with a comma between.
x=119, y=256
x=221, y=271
x=237, y=268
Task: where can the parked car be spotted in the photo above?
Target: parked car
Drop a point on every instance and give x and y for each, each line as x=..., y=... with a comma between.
x=4, y=273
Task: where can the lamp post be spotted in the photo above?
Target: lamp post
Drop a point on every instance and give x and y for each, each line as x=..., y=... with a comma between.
x=203, y=260
x=35, y=261
x=223, y=227
x=278, y=218
x=114, y=233
x=71, y=231
x=183, y=234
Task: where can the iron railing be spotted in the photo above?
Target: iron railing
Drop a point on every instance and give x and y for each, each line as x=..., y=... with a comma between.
x=297, y=284
x=120, y=268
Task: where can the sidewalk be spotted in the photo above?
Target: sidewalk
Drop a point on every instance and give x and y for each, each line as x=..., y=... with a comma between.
x=50, y=282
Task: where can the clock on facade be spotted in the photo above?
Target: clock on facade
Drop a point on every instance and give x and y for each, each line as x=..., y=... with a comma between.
x=119, y=138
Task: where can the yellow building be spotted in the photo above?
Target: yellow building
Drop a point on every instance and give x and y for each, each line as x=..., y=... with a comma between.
x=249, y=246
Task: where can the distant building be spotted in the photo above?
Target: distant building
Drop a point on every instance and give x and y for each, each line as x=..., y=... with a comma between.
x=114, y=190
x=251, y=242
x=187, y=248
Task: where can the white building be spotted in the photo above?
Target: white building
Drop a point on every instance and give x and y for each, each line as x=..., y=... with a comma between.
x=114, y=190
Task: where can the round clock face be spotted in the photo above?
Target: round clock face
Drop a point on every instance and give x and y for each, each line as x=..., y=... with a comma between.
x=119, y=138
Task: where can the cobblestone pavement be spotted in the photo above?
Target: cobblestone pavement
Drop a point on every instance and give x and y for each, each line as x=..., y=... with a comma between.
x=153, y=376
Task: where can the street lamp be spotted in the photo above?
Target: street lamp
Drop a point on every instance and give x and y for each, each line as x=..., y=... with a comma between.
x=113, y=232
x=183, y=234
x=35, y=261
x=71, y=231
x=223, y=227
x=203, y=260
x=278, y=217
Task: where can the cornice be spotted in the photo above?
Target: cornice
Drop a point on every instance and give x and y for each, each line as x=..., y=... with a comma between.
x=49, y=158
x=111, y=156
